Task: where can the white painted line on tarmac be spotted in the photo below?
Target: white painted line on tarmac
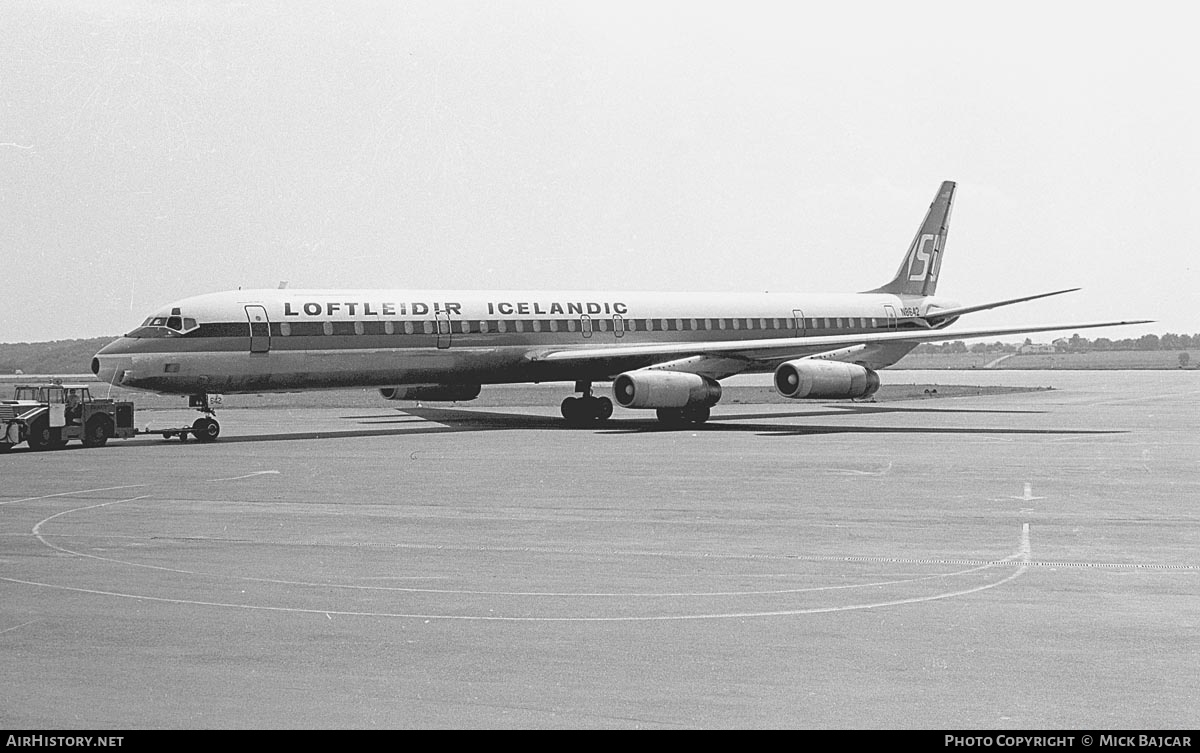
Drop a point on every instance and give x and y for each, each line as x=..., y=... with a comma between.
x=1022, y=556
x=471, y=592
x=68, y=494
x=248, y=475
x=17, y=627
x=37, y=528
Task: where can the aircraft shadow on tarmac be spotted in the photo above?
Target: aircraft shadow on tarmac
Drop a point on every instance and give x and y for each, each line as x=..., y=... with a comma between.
x=454, y=419
x=414, y=421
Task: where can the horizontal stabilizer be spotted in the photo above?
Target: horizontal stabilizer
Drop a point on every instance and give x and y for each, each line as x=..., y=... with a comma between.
x=942, y=314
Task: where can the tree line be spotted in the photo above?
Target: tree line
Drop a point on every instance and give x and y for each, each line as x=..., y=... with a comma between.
x=1073, y=344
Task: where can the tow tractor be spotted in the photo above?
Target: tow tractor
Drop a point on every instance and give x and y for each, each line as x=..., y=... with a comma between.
x=47, y=416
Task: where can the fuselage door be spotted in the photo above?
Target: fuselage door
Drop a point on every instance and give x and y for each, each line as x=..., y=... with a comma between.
x=443, y=329
x=585, y=325
x=799, y=322
x=260, y=329
x=618, y=325
x=891, y=315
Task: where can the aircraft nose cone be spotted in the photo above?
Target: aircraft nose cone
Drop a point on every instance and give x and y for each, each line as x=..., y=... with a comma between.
x=110, y=363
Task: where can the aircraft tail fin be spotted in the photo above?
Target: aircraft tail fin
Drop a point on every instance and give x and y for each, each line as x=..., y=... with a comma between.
x=918, y=274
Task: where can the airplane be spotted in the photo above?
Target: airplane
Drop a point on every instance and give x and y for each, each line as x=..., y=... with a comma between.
x=662, y=351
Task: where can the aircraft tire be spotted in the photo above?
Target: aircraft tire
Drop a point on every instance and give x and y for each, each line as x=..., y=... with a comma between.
x=680, y=417
x=206, y=429
x=586, y=411
x=670, y=417
x=696, y=414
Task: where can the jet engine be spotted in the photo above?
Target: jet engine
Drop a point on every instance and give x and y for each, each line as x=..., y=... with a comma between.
x=431, y=392
x=809, y=378
x=665, y=389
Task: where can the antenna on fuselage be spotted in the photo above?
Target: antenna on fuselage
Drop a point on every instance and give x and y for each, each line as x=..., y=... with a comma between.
x=283, y=284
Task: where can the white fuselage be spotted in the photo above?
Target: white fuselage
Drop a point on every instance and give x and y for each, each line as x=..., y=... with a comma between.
x=263, y=340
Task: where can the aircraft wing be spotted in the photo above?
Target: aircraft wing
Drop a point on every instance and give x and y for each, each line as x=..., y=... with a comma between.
x=768, y=351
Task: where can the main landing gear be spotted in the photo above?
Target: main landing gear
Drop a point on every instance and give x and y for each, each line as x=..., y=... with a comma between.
x=587, y=409
x=690, y=415
x=206, y=428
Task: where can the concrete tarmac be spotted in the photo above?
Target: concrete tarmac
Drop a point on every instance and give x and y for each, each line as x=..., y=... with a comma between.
x=1004, y=561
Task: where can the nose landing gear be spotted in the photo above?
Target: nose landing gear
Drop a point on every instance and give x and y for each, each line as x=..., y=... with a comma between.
x=206, y=428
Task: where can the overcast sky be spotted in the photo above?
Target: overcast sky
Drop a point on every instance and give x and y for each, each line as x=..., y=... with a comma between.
x=152, y=151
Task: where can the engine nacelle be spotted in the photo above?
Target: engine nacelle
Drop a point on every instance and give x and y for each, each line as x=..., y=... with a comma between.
x=809, y=378
x=431, y=392
x=665, y=389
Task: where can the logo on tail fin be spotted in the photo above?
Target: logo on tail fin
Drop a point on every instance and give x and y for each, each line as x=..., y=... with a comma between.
x=918, y=273
x=925, y=258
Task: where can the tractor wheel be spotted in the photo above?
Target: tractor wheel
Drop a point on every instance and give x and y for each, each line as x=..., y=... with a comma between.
x=42, y=437
x=98, y=430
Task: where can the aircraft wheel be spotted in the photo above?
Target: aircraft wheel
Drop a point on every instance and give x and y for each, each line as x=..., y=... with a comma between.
x=97, y=432
x=670, y=416
x=586, y=411
x=696, y=414
x=679, y=417
x=206, y=429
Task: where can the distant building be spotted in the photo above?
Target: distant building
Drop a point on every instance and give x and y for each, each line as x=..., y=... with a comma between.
x=1036, y=348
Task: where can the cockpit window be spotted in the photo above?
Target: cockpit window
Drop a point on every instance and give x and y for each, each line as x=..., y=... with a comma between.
x=165, y=326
